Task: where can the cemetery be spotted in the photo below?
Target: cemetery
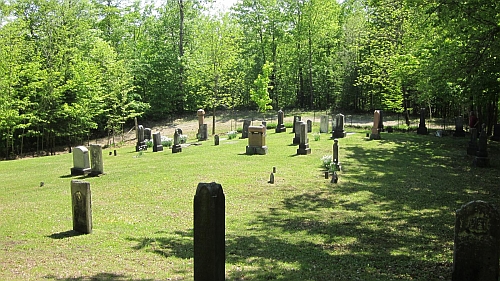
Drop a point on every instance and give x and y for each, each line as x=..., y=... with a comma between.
x=402, y=206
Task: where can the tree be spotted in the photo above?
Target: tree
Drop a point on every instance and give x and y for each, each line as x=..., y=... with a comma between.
x=260, y=94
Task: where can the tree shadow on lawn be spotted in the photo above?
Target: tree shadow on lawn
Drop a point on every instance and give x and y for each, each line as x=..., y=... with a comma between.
x=98, y=277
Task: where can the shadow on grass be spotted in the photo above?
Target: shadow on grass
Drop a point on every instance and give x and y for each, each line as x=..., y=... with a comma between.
x=178, y=244
x=98, y=277
x=65, y=234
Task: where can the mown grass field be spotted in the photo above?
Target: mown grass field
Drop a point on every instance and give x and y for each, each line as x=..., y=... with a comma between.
x=390, y=217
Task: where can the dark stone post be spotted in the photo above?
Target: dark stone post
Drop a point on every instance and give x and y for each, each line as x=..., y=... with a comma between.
x=216, y=140
x=209, y=233
x=244, y=133
x=476, y=249
x=422, y=129
x=81, y=206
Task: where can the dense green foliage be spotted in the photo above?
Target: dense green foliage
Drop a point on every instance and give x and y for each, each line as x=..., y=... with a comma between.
x=70, y=68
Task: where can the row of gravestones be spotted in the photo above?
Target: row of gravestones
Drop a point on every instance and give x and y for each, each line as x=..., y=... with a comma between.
x=142, y=136
x=83, y=164
x=476, y=235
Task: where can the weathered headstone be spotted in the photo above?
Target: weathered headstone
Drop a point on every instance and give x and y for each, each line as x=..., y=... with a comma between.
x=459, y=127
x=309, y=126
x=81, y=163
x=472, y=147
x=141, y=143
x=476, y=245
x=323, y=124
x=336, y=160
x=216, y=140
x=96, y=163
x=209, y=233
x=482, y=159
x=244, y=133
x=274, y=170
x=271, y=178
x=422, y=129
x=177, y=141
x=147, y=133
x=281, y=126
x=338, y=129
x=202, y=128
x=296, y=119
x=296, y=131
x=304, y=141
x=496, y=133
x=256, y=140
x=157, y=146
x=81, y=206
x=375, y=135
x=381, y=121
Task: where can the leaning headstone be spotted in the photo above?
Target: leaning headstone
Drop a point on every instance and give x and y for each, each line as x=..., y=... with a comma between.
x=177, y=141
x=338, y=129
x=296, y=119
x=141, y=143
x=323, y=124
x=244, y=133
x=81, y=163
x=496, y=133
x=476, y=245
x=216, y=140
x=81, y=206
x=459, y=127
x=147, y=133
x=304, y=141
x=482, y=159
x=472, y=147
x=209, y=233
x=422, y=129
x=375, y=135
x=96, y=163
x=256, y=140
x=309, y=126
x=281, y=126
x=157, y=146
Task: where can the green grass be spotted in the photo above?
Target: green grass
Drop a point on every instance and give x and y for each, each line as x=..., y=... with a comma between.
x=390, y=217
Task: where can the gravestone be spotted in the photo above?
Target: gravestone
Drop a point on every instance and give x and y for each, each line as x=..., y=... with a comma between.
x=476, y=243
x=304, y=141
x=482, y=159
x=271, y=178
x=81, y=206
x=296, y=119
x=96, y=163
x=472, y=147
x=81, y=163
x=216, y=140
x=338, y=128
x=256, y=140
x=496, y=133
x=147, y=133
x=157, y=146
x=375, y=135
x=141, y=143
x=381, y=121
x=296, y=131
x=244, y=133
x=336, y=161
x=422, y=129
x=459, y=127
x=177, y=141
x=202, y=127
x=281, y=126
x=323, y=124
x=309, y=126
x=209, y=233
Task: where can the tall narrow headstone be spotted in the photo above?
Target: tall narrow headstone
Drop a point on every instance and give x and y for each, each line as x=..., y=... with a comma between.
x=304, y=141
x=81, y=206
x=147, y=133
x=209, y=233
x=309, y=126
x=281, y=126
x=96, y=163
x=141, y=143
x=338, y=128
x=422, y=129
x=482, y=159
x=296, y=131
x=375, y=135
x=216, y=140
x=271, y=178
x=459, y=127
x=496, y=133
x=323, y=124
x=177, y=141
x=296, y=119
x=157, y=146
x=202, y=128
x=476, y=245
x=336, y=160
x=244, y=133
x=381, y=121
x=81, y=163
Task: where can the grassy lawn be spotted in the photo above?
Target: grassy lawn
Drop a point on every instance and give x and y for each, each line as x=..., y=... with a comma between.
x=390, y=217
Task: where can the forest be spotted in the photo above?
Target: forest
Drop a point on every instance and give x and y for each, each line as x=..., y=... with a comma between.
x=70, y=69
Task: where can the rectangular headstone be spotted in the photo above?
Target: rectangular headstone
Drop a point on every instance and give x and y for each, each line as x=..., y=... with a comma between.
x=476, y=249
x=209, y=233
x=157, y=146
x=281, y=126
x=323, y=124
x=81, y=206
x=244, y=133
x=81, y=162
x=97, y=166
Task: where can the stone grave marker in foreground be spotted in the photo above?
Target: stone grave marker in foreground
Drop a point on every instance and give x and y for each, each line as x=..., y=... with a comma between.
x=209, y=233
x=81, y=163
x=476, y=248
x=81, y=206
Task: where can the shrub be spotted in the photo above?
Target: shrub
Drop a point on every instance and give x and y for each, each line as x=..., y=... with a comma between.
x=317, y=136
x=327, y=161
x=288, y=124
x=271, y=126
x=183, y=138
x=149, y=143
x=166, y=142
x=231, y=134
